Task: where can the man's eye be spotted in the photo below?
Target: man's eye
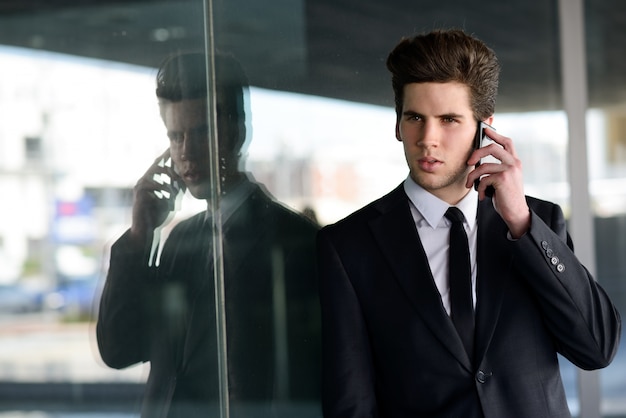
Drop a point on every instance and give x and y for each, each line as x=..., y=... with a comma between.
x=201, y=133
x=176, y=137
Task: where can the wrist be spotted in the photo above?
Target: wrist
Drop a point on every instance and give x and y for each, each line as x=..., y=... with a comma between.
x=519, y=227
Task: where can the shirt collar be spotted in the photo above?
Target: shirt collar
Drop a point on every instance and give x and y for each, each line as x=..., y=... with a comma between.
x=433, y=209
x=229, y=202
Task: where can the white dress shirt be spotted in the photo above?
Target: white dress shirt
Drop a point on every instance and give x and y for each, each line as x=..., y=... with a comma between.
x=434, y=231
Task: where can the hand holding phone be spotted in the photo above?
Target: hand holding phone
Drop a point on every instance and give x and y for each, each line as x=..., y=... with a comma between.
x=156, y=195
x=169, y=180
x=503, y=171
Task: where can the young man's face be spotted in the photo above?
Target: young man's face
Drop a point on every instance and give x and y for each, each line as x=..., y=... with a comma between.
x=187, y=129
x=437, y=128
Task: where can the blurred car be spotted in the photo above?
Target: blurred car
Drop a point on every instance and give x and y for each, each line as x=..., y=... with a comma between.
x=75, y=297
x=16, y=299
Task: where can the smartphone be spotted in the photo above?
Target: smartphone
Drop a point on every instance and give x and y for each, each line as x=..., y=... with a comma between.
x=482, y=140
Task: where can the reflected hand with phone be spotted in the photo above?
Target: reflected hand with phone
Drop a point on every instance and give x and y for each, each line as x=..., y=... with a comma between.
x=506, y=178
x=156, y=195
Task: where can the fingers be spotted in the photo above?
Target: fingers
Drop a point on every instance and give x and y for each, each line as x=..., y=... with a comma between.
x=485, y=174
x=166, y=182
x=503, y=181
x=499, y=165
x=502, y=149
x=162, y=179
x=156, y=194
x=489, y=183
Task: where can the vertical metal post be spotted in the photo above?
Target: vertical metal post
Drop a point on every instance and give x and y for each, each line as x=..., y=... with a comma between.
x=213, y=207
x=574, y=81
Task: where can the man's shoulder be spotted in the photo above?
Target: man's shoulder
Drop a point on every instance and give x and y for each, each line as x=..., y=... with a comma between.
x=289, y=221
x=276, y=214
x=542, y=207
x=372, y=210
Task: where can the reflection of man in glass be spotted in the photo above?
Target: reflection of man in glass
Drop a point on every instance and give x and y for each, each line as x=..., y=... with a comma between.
x=166, y=315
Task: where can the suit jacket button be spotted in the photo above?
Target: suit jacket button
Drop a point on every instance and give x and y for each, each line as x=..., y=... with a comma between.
x=560, y=268
x=481, y=377
x=545, y=245
x=554, y=260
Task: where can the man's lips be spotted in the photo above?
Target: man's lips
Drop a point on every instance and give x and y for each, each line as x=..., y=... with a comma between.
x=192, y=175
x=428, y=164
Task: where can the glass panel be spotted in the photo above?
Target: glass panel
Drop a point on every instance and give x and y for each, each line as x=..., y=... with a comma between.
x=271, y=306
x=81, y=126
x=606, y=131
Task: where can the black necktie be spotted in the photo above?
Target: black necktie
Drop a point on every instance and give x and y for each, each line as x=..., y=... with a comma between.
x=462, y=310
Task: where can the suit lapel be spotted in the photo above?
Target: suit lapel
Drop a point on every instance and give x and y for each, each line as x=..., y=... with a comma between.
x=399, y=242
x=242, y=234
x=494, y=262
x=249, y=226
x=200, y=323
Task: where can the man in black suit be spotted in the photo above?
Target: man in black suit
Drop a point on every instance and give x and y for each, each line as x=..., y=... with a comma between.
x=165, y=311
x=391, y=344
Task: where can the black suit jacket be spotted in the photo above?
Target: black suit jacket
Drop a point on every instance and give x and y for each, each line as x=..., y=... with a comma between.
x=167, y=315
x=390, y=350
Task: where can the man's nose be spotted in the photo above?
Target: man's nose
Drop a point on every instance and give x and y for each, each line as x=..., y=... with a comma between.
x=192, y=146
x=430, y=134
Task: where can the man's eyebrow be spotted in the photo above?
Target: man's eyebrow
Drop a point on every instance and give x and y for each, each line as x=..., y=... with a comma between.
x=200, y=128
x=451, y=115
x=448, y=115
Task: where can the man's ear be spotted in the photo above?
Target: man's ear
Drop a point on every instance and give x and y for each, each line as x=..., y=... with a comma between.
x=398, y=137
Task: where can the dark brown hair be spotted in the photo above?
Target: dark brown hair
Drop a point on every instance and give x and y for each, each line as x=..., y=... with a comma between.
x=446, y=56
x=183, y=76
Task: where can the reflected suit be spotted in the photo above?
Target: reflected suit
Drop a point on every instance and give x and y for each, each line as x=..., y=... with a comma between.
x=166, y=315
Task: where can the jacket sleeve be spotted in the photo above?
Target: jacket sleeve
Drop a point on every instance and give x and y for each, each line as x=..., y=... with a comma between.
x=348, y=370
x=122, y=326
x=584, y=322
